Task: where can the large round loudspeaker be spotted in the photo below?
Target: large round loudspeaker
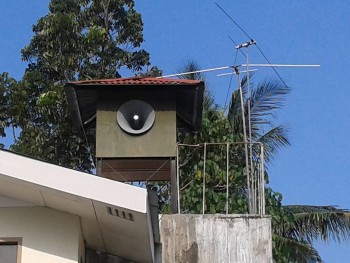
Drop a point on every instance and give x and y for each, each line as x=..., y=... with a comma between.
x=135, y=117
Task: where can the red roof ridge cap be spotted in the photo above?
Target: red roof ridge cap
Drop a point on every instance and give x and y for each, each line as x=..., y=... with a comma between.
x=156, y=80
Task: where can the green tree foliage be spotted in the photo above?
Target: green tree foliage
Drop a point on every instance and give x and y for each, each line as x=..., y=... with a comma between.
x=192, y=66
x=6, y=84
x=215, y=129
x=77, y=39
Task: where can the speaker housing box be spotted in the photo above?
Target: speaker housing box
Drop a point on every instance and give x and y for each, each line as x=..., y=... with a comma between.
x=159, y=141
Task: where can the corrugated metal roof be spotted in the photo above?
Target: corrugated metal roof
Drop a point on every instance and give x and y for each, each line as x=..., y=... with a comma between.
x=136, y=81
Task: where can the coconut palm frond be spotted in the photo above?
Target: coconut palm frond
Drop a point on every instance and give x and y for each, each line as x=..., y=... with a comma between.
x=273, y=140
x=265, y=99
x=320, y=222
x=190, y=66
x=304, y=209
x=234, y=114
x=208, y=100
x=235, y=103
x=244, y=83
x=297, y=250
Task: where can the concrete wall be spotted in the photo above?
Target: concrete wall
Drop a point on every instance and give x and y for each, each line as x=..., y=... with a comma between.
x=47, y=235
x=215, y=238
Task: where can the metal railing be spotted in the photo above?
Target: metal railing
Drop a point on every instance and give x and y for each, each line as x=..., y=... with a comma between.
x=223, y=162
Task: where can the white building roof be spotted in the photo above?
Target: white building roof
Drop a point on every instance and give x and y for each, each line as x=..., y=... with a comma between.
x=115, y=217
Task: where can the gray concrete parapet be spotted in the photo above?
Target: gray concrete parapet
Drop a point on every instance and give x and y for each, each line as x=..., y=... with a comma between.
x=218, y=238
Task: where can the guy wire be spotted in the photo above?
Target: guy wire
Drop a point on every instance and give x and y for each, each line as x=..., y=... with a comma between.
x=229, y=85
x=233, y=20
x=235, y=44
x=279, y=76
x=262, y=53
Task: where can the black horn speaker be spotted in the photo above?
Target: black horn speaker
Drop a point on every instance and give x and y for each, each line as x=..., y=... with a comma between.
x=135, y=117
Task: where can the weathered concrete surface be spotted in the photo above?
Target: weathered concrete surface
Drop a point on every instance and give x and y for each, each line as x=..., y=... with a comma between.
x=216, y=238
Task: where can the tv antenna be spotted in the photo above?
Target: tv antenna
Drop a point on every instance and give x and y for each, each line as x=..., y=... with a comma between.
x=247, y=131
x=246, y=116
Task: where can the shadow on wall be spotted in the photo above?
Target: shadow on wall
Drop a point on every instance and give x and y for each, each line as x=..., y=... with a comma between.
x=93, y=256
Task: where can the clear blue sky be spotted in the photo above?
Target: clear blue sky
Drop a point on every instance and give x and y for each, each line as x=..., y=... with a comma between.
x=314, y=169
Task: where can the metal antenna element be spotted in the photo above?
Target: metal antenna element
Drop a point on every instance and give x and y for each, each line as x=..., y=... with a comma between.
x=246, y=44
x=283, y=65
x=193, y=72
x=237, y=66
x=273, y=68
x=235, y=73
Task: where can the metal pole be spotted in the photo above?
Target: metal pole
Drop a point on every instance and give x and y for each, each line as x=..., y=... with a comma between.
x=194, y=72
x=258, y=178
x=178, y=179
x=205, y=157
x=252, y=179
x=262, y=160
x=227, y=177
x=245, y=141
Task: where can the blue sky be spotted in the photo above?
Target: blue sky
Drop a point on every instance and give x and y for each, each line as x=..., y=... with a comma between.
x=314, y=169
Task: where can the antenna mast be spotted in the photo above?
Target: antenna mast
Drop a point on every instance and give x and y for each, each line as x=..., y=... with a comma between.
x=251, y=184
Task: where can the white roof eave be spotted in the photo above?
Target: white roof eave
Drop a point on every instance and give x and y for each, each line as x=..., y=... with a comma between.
x=94, y=199
x=72, y=182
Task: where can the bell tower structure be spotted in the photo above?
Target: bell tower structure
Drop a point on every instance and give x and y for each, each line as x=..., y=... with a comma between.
x=134, y=123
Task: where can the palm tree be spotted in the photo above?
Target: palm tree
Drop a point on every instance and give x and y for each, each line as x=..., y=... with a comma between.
x=302, y=225
x=267, y=97
x=192, y=66
x=295, y=227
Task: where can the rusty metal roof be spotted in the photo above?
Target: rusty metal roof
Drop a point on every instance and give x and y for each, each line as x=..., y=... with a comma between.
x=136, y=81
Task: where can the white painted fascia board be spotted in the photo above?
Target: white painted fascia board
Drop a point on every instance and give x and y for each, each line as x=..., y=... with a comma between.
x=73, y=182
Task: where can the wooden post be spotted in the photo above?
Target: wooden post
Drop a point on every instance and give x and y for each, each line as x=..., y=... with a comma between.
x=99, y=166
x=173, y=187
